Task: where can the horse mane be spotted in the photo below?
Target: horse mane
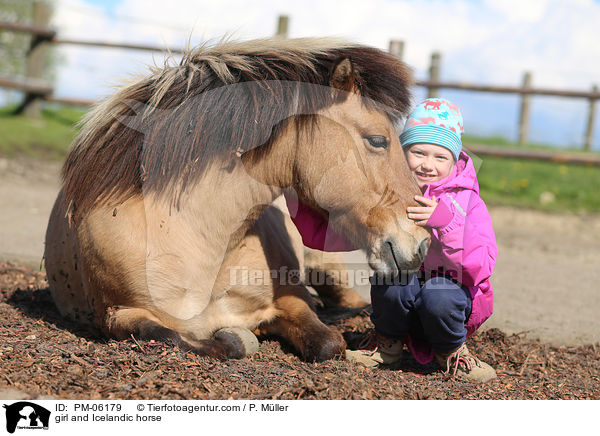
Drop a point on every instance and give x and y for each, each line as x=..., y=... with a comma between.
x=162, y=130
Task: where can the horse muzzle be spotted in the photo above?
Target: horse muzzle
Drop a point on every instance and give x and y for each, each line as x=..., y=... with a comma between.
x=391, y=259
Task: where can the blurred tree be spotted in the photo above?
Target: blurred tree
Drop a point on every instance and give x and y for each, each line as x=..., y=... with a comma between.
x=15, y=45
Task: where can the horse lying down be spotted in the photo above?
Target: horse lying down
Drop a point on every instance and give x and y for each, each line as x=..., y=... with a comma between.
x=167, y=196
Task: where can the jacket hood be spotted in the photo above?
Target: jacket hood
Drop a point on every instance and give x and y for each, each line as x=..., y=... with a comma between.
x=462, y=176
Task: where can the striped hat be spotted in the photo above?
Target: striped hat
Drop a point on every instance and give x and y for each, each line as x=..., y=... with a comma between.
x=434, y=121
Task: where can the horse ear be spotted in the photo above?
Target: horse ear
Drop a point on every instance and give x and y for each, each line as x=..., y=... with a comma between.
x=343, y=76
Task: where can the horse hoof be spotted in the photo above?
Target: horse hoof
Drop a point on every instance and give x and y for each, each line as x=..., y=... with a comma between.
x=243, y=341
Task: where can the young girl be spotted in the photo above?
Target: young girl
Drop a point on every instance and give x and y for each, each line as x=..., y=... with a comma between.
x=451, y=296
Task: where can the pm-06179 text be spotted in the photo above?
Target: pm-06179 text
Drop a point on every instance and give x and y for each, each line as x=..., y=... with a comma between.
x=97, y=407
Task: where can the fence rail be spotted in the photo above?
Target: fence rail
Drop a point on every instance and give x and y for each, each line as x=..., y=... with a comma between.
x=39, y=31
x=510, y=89
x=36, y=89
x=32, y=86
x=49, y=35
x=146, y=47
x=578, y=158
x=433, y=84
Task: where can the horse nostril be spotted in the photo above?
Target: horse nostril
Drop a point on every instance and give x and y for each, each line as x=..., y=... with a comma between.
x=423, y=247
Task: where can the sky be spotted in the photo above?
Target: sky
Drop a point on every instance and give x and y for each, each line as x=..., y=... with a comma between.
x=487, y=42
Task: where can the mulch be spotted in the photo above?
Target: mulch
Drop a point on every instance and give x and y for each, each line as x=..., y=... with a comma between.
x=44, y=356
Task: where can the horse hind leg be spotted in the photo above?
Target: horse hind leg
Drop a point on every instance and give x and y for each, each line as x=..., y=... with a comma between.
x=298, y=323
x=226, y=343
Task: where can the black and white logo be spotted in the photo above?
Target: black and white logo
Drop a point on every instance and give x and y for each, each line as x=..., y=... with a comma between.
x=26, y=415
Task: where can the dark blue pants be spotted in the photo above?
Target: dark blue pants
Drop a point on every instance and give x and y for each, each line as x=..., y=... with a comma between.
x=434, y=310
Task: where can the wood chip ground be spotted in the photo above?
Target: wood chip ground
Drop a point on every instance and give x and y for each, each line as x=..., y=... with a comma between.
x=44, y=356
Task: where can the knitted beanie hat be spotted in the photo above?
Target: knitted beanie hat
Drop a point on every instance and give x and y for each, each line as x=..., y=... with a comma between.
x=434, y=121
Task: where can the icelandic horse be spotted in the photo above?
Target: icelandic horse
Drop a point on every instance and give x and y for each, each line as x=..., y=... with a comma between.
x=167, y=193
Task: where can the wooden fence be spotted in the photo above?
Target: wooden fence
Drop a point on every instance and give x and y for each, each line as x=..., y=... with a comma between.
x=36, y=90
x=433, y=84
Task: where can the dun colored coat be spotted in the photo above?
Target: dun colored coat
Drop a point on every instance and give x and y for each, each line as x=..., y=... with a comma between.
x=164, y=227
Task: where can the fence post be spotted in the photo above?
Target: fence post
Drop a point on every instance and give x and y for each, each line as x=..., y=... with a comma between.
x=282, y=26
x=36, y=58
x=524, y=115
x=397, y=48
x=589, y=131
x=434, y=74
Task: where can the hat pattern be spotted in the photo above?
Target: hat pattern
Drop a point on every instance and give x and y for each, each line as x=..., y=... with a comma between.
x=436, y=121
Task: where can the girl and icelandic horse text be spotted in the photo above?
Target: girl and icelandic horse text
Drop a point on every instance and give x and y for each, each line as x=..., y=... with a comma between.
x=170, y=183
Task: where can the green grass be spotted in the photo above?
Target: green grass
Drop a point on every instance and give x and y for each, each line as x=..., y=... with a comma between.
x=541, y=185
x=48, y=137
x=518, y=183
x=499, y=141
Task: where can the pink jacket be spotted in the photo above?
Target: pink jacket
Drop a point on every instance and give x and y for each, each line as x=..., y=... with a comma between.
x=463, y=243
x=313, y=227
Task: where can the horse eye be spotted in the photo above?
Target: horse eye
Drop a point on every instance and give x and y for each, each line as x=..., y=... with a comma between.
x=377, y=141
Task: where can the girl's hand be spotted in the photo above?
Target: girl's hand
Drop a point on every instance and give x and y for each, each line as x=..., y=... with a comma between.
x=421, y=214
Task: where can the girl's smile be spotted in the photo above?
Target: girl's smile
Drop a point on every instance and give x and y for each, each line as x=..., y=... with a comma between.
x=429, y=162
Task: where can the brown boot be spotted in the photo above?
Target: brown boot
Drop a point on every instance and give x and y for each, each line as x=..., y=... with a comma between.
x=464, y=365
x=376, y=349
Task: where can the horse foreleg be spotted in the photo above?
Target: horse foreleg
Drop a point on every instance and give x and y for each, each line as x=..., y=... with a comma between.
x=230, y=343
x=298, y=323
x=329, y=275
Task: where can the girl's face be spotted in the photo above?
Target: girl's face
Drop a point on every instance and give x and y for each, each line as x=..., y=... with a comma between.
x=429, y=162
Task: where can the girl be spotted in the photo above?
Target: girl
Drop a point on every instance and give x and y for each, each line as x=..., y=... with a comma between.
x=451, y=296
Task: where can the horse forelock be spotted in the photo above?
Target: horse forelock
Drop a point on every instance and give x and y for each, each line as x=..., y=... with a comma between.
x=160, y=132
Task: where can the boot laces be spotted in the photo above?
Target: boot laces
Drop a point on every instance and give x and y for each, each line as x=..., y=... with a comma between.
x=373, y=341
x=458, y=357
